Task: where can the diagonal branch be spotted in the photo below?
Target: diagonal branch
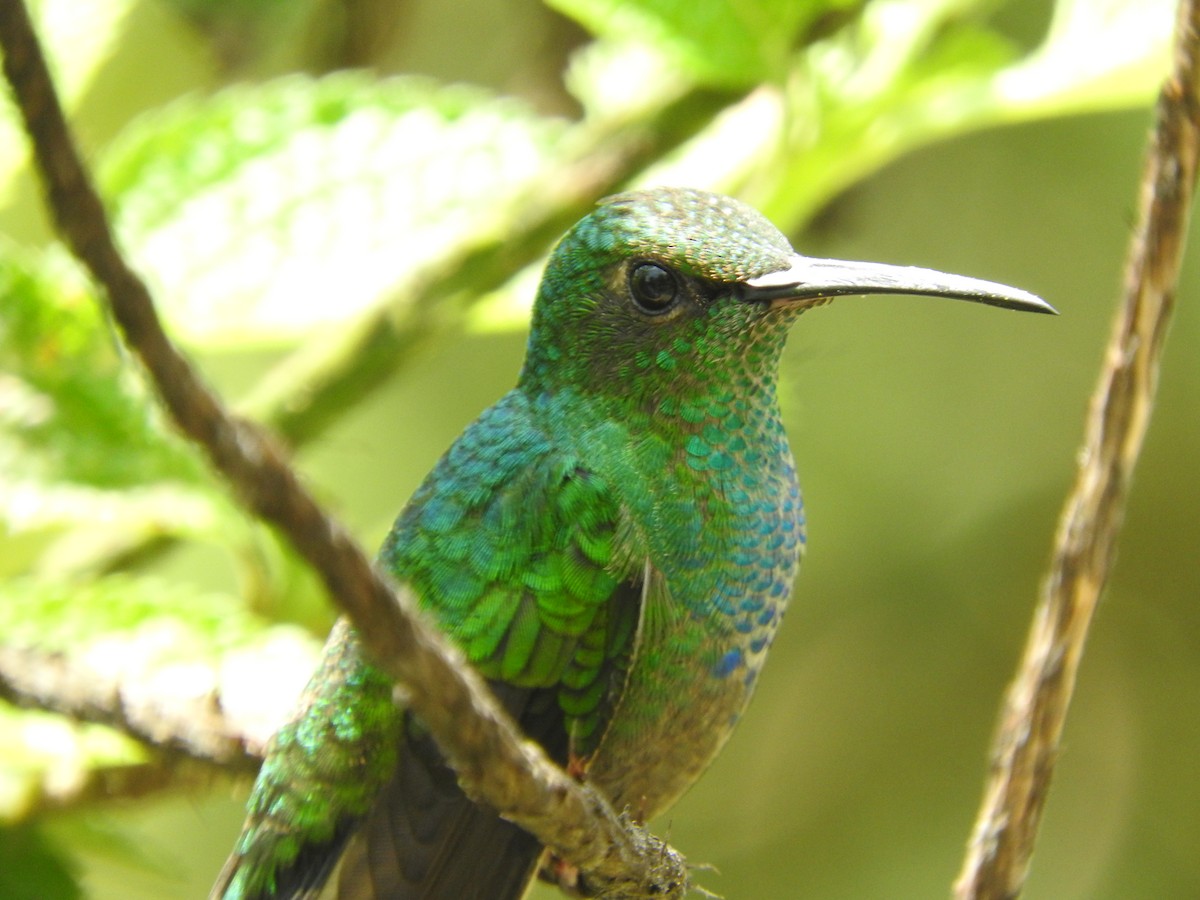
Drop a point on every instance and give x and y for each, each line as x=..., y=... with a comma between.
x=493, y=762
x=1032, y=720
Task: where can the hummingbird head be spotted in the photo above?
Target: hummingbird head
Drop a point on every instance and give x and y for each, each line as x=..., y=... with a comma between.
x=695, y=286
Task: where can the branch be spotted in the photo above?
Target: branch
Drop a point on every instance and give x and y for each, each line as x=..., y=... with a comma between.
x=172, y=717
x=1027, y=745
x=190, y=735
x=493, y=762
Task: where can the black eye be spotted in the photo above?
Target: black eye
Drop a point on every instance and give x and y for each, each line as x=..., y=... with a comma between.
x=654, y=287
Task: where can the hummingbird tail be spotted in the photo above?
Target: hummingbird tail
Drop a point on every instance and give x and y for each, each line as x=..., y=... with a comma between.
x=425, y=840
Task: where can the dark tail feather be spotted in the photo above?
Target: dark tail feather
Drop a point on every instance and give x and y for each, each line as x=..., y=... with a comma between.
x=454, y=850
x=304, y=879
x=424, y=840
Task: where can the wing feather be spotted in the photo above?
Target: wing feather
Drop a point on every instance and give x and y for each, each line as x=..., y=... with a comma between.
x=523, y=557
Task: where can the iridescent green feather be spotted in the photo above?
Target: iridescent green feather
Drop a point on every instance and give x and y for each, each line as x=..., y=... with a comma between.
x=542, y=554
x=512, y=547
x=302, y=799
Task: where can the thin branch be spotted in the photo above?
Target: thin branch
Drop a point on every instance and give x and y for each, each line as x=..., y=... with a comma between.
x=172, y=718
x=1027, y=745
x=493, y=762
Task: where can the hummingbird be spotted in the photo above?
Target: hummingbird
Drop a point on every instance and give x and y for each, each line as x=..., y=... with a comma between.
x=612, y=545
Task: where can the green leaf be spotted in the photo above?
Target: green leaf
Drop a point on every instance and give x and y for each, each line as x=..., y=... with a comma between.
x=727, y=43
x=71, y=408
x=895, y=79
x=909, y=72
x=509, y=308
x=83, y=448
x=621, y=78
x=266, y=211
x=1098, y=55
x=31, y=869
x=60, y=616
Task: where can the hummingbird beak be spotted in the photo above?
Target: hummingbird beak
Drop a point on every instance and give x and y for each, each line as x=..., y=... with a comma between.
x=813, y=282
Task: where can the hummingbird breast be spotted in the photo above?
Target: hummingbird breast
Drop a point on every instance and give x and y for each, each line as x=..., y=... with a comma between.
x=719, y=509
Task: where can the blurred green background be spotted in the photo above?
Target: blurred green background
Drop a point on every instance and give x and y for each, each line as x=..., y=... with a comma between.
x=934, y=441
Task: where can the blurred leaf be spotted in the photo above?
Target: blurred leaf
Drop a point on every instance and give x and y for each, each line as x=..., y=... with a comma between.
x=908, y=72
x=105, y=849
x=87, y=466
x=509, y=308
x=74, y=617
x=47, y=757
x=71, y=408
x=64, y=528
x=894, y=79
x=621, y=77
x=31, y=869
x=728, y=43
x=268, y=210
x=1099, y=54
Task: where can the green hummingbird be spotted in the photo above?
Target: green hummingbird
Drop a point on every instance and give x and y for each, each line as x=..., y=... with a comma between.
x=612, y=545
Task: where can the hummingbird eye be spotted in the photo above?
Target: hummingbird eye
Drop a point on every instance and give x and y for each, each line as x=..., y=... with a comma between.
x=654, y=287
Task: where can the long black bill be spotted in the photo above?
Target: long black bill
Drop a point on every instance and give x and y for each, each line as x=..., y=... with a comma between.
x=818, y=280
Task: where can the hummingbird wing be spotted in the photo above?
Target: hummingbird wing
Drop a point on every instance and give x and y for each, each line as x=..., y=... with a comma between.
x=525, y=558
x=424, y=838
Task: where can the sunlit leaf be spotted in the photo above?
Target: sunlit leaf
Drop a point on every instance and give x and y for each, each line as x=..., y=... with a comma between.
x=621, y=77
x=509, y=308
x=265, y=211
x=722, y=42
x=908, y=72
x=85, y=456
x=1099, y=54
x=72, y=408
x=83, y=617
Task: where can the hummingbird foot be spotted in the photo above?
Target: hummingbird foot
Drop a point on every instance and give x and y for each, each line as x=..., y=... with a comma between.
x=565, y=875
